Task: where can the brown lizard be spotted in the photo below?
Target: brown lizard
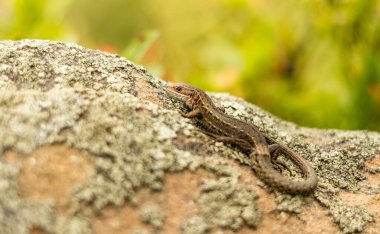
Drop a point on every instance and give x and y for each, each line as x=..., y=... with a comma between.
x=233, y=131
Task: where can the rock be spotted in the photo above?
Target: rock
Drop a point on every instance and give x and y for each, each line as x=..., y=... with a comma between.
x=90, y=142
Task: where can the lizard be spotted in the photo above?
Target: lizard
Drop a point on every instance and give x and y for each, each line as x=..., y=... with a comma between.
x=261, y=147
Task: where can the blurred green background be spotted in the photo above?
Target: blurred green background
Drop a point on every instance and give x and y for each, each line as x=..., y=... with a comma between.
x=314, y=62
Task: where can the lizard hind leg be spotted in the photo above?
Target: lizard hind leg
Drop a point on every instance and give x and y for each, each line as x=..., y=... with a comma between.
x=274, y=151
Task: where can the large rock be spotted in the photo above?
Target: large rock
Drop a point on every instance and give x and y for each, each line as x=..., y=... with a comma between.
x=90, y=142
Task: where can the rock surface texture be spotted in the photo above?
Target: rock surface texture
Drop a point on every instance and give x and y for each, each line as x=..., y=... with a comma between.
x=91, y=143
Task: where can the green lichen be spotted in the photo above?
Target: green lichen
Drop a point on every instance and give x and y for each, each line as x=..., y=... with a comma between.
x=351, y=219
x=290, y=203
x=224, y=203
x=151, y=214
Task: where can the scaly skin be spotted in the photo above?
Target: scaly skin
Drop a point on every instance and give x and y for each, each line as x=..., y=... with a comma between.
x=233, y=131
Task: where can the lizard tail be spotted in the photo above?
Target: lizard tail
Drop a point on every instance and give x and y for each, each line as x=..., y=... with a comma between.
x=267, y=173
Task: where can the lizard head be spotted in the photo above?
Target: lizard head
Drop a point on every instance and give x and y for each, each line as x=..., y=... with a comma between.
x=184, y=91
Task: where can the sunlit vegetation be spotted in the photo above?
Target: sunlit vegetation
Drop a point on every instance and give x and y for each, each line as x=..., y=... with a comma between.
x=314, y=62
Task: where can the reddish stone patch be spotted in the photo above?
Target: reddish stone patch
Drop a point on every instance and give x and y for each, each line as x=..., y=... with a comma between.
x=176, y=201
x=51, y=173
x=113, y=220
x=178, y=198
x=36, y=230
x=368, y=200
x=144, y=90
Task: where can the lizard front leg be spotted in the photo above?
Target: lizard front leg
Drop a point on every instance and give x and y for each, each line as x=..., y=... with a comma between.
x=191, y=114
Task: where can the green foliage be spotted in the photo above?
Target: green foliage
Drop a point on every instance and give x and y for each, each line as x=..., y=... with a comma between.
x=315, y=62
x=41, y=19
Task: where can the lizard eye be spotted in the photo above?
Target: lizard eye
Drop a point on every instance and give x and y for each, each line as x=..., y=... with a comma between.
x=178, y=89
